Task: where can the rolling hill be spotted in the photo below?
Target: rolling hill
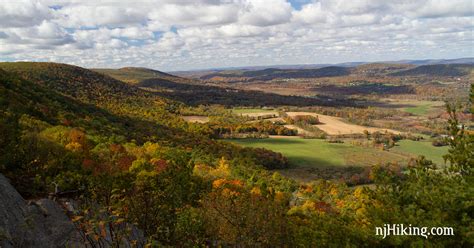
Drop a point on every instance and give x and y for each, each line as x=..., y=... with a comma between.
x=134, y=75
x=439, y=70
x=273, y=73
x=74, y=97
x=199, y=73
x=431, y=67
x=380, y=69
x=72, y=81
x=196, y=92
x=60, y=93
x=435, y=61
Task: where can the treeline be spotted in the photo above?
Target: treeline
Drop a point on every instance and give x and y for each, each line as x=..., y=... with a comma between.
x=306, y=119
x=239, y=127
x=307, y=123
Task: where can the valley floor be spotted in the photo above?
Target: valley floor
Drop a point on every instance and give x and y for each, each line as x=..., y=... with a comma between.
x=314, y=158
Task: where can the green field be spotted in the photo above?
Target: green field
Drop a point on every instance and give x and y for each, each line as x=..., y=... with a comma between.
x=319, y=153
x=418, y=110
x=415, y=148
x=422, y=107
x=416, y=107
x=251, y=110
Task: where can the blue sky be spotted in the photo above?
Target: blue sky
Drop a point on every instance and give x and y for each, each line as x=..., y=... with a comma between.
x=298, y=4
x=175, y=35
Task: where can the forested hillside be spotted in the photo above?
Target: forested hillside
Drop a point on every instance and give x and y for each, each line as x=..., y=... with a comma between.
x=364, y=70
x=269, y=74
x=134, y=75
x=67, y=99
x=450, y=70
x=122, y=156
x=195, y=94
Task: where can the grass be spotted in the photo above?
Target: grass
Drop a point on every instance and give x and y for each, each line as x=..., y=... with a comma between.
x=421, y=107
x=416, y=148
x=416, y=107
x=251, y=110
x=319, y=153
x=300, y=152
x=312, y=159
x=418, y=110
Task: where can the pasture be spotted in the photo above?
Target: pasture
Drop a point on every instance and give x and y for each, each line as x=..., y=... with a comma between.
x=315, y=158
x=415, y=107
x=423, y=107
x=425, y=148
x=320, y=153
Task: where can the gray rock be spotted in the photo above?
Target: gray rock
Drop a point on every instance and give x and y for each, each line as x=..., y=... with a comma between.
x=41, y=223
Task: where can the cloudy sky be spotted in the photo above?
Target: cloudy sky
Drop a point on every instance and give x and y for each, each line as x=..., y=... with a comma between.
x=195, y=34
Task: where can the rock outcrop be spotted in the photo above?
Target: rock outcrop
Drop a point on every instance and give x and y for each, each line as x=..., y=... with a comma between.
x=40, y=223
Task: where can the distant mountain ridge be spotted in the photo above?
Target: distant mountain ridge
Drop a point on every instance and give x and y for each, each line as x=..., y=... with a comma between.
x=436, y=61
x=468, y=60
x=273, y=73
x=364, y=70
x=440, y=70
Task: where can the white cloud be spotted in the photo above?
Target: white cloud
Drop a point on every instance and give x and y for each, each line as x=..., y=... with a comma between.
x=170, y=42
x=194, y=14
x=310, y=13
x=47, y=35
x=442, y=8
x=76, y=16
x=184, y=34
x=134, y=33
x=363, y=19
x=266, y=12
x=235, y=30
x=22, y=13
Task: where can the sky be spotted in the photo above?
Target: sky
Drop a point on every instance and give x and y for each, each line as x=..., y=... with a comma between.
x=198, y=34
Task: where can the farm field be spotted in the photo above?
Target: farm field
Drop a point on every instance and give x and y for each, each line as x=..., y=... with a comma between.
x=335, y=126
x=311, y=157
x=415, y=148
x=415, y=107
x=421, y=109
x=301, y=152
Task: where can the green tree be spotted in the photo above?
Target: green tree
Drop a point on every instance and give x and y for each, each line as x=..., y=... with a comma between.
x=461, y=142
